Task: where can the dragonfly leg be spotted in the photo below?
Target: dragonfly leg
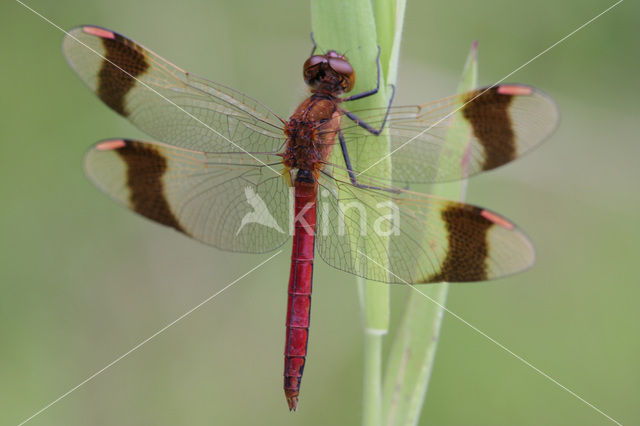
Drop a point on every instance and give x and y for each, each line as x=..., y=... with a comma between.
x=368, y=92
x=368, y=127
x=352, y=174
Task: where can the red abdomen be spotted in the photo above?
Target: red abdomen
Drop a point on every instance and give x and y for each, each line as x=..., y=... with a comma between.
x=300, y=279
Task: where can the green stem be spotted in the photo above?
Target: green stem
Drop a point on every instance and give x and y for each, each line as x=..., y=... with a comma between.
x=372, y=392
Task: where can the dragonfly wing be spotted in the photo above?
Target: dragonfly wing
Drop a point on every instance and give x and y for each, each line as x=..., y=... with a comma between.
x=500, y=123
x=408, y=237
x=167, y=102
x=230, y=201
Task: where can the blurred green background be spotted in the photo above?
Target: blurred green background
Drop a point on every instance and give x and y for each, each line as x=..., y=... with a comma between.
x=83, y=280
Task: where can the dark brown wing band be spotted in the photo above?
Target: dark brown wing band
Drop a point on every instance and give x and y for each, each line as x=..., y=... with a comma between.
x=488, y=115
x=123, y=62
x=468, y=249
x=145, y=168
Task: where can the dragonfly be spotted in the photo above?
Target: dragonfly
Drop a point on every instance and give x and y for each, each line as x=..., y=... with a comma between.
x=231, y=173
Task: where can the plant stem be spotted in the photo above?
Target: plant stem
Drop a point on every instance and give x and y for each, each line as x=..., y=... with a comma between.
x=372, y=392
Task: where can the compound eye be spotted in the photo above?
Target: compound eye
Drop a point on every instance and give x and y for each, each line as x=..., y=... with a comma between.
x=313, y=61
x=311, y=68
x=341, y=66
x=345, y=71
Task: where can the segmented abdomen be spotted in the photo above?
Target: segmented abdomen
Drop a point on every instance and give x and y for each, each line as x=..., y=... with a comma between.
x=300, y=281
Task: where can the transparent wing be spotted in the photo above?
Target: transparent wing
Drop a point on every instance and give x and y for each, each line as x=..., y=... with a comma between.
x=408, y=237
x=504, y=122
x=229, y=201
x=167, y=102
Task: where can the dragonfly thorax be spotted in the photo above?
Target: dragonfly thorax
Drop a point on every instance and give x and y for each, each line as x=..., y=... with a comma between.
x=311, y=133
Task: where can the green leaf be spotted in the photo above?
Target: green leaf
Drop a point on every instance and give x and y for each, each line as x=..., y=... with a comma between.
x=413, y=351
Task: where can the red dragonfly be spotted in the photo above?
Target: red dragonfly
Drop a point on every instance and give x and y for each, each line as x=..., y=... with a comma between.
x=227, y=166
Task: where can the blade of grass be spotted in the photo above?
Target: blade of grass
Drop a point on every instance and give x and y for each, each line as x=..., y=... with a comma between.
x=389, y=16
x=413, y=351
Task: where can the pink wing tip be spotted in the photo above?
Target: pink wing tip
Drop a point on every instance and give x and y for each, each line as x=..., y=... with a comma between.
x=100, y=32
x=110, y=145
x=498, y=220
x=515, y=90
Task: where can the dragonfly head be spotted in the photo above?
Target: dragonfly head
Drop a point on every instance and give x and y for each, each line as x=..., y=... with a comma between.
x=330, y=72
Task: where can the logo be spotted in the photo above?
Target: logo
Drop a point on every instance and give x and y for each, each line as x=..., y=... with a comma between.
x=260, y=213
x=333, y=215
